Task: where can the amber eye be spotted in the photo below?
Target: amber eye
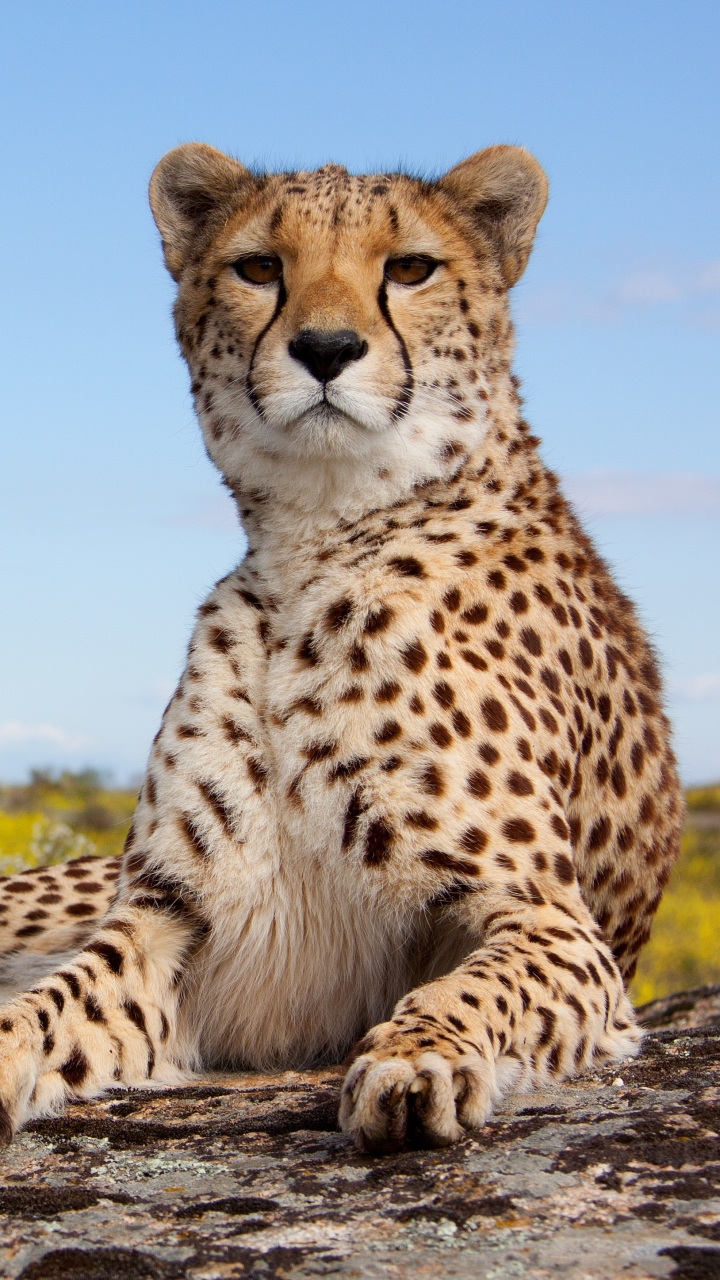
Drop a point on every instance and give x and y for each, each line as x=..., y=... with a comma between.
x=261, y=268
x=410, y=270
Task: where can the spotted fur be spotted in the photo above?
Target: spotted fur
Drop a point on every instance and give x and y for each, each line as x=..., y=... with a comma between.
x=414, y=787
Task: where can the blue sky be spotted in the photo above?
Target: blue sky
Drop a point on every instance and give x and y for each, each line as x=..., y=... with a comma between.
x=112, y=522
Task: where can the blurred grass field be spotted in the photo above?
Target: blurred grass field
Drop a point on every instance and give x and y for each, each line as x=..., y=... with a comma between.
x=55, y=817
x=59, y=816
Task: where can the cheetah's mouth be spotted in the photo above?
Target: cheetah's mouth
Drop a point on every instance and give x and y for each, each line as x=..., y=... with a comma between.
x=329, y=412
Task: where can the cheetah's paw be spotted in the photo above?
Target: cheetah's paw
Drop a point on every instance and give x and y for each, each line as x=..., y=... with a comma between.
x=427, y=1100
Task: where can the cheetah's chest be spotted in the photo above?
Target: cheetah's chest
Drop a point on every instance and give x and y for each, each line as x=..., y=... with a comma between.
x=370, y=724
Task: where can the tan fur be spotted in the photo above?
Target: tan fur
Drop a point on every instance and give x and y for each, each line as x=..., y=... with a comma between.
x=415, y=783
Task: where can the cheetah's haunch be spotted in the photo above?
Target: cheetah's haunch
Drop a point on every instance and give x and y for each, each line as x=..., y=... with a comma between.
x=414, y=787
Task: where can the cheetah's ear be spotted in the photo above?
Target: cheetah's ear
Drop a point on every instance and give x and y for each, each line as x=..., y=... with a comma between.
x=191, y=188
x=503, y=191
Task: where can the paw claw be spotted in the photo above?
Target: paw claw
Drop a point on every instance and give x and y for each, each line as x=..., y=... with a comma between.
x=396, y=1095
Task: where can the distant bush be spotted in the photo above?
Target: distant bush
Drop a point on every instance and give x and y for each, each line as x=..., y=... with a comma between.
x=50, y=842
x=705, y=798
x=684, y=947
x=56, y=816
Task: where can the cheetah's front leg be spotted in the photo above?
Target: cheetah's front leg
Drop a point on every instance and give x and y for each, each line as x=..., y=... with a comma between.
x=106, y=1018
x=539, y=1000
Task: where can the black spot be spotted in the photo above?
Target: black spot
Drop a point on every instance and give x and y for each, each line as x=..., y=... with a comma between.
x=478, y=784
x=559, y=827
x=531, y=641
x=432, y=781
x=75, y=1069
x=215, y=798
x=71, y=981
x=137, y=1017
x=107, y=952
x=444, y=694
x=564, y=868
x=600, y=834
x=194, y=836
x=156, y=892
x=348, y=768
x=473, y=840
x=306, y=651
x=250, y=598
x=408, y=566
x=389, y=690
x=440, y=735
x=314, y=752
x=221, y=639
x=339, y=614
x=378, y=842
x=421, y=819
x=518, y=830
x=473, y=659
x=414, y=656
x=586, y=653
x=388, y=732
x=93, y=1012
x=440, y=860
x=519, y=784
x=461, y=724
x=358, y=658
x=354, y=810
x=494, y=715
x=257, y=772
x=378, y=619
x=476, y=614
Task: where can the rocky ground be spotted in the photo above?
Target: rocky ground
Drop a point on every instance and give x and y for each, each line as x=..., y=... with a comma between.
x=246, y=1176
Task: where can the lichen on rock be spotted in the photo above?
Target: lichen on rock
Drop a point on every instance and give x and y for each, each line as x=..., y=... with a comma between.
x=246, y=1176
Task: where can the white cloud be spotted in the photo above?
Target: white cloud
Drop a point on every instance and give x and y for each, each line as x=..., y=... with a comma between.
x=613, y=493
x=698, y=689
x=653, y=284
x=11, y=732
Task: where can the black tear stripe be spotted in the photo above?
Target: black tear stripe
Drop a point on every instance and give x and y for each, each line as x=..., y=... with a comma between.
x=281, y=300
x=402, y=403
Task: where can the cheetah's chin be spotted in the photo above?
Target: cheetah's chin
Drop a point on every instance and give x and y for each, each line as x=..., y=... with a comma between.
x=332, y=428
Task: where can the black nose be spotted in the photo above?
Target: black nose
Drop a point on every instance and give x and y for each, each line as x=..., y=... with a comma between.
x=326, y=354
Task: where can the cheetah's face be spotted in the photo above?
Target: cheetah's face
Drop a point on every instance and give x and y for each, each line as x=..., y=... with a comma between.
x=324, y=315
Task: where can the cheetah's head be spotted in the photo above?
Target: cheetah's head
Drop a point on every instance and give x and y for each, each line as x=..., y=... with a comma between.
x=352, y=323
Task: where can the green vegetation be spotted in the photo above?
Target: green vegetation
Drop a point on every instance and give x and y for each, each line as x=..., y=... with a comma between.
x=703, y=799
x=59, y=816
x=684, y=947
x=54, y=817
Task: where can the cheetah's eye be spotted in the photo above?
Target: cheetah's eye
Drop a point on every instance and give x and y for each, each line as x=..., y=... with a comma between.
x=261, y=268
x=410, y=270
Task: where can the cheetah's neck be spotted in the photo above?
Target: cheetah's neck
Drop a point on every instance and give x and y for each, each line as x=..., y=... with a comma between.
x=307, y=510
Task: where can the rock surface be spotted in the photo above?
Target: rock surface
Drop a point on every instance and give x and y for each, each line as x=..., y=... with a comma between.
x=246, y=1176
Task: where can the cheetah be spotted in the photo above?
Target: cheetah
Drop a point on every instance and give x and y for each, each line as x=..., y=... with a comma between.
x=413, y=801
